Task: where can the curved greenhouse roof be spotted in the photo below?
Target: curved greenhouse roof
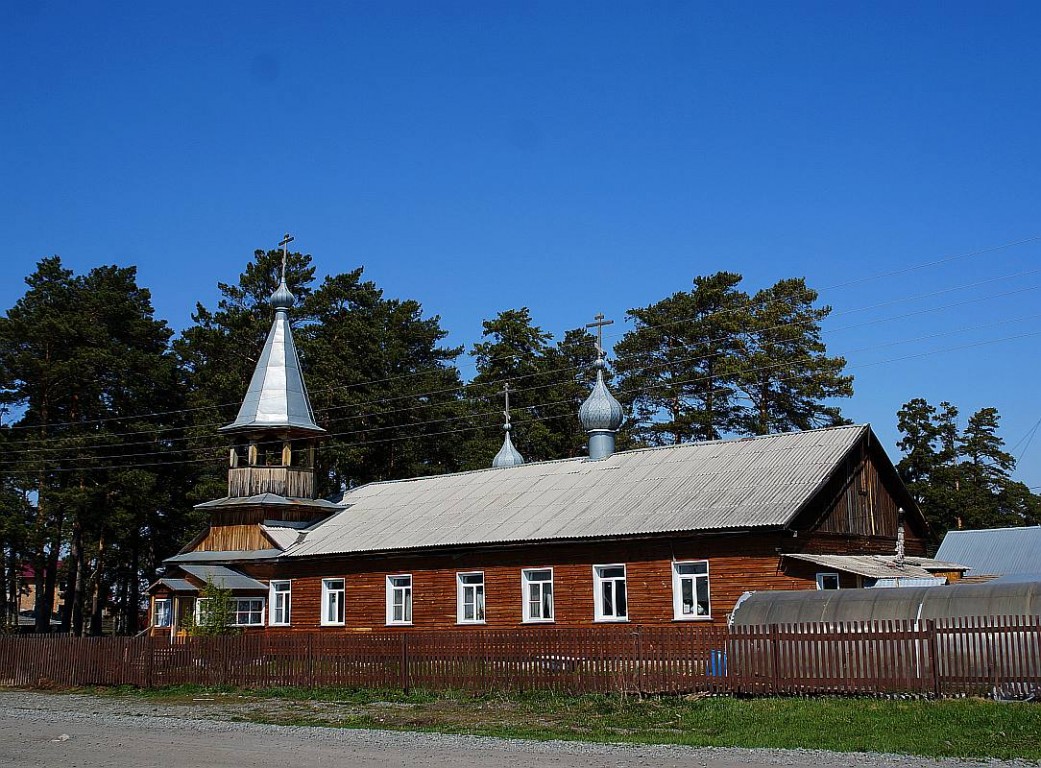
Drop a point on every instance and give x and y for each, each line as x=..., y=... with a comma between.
x=903, y=603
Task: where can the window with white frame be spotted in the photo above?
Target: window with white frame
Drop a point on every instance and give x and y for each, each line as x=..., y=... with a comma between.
x=827, y=581
x=280, y=598
x=609, y=599
x=690, y=590
x=332, y=602
x=399, y=599
x=203, y=607
x=470, y=598
x=161, y=613
x=246, y=611
x=538, y=594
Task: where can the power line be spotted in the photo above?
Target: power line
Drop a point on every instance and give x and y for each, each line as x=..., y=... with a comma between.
x=362, y=444
x=568, y=369
x=869, y=278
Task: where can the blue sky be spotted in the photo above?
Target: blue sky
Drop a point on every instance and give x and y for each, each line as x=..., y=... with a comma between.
x=568, y=157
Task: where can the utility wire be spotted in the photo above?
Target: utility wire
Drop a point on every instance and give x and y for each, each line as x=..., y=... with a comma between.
x=904, y=270
x=567, y=369
x=362, y=444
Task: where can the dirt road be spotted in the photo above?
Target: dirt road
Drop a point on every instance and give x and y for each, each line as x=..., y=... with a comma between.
x=39, y=730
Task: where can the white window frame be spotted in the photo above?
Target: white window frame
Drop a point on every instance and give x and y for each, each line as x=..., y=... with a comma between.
x=168, y=603
x=479, y=594
x=526, y=584
x=334, y=588
x=197, y=613
x=679, y=610
x=235, y=611
x=281, y=601
x=406, y=602
x=827, y=575
x=598, y=593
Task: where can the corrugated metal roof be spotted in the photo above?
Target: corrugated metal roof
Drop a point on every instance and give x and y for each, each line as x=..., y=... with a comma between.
x=283, y=537
x=231, y=556
x=723, y=484
x=879, y=566
x=222, y=577
x=176, y=585
x=267, y=500
x=994, y=551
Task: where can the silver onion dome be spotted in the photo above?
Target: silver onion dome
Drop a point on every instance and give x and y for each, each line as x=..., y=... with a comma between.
x=282, y=298
x=600, y=411
x=508, y=456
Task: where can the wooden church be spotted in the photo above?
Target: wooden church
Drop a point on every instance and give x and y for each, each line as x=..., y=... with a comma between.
x=648, y=536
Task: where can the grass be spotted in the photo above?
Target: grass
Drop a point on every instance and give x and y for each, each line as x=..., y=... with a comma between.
x=966, y=728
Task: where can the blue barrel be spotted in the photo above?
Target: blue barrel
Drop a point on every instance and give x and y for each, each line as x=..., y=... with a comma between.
x=717, y=663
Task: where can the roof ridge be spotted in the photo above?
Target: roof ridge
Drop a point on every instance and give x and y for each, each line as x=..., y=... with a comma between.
x=631, y=451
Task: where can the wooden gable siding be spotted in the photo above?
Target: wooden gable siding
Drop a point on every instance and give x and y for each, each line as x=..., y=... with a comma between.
x=862, y=499
x=737, y=563
x=229, y=538
x=256, y=514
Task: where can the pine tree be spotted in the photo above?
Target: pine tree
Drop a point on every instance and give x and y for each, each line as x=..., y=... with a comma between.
x=548, y=383
x=961, y=479
x=782, y=369
x=677, y=365
x=382, y=384
x=81, y=358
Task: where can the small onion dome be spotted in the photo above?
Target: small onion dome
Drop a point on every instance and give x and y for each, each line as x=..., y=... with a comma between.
x=508, y=456
x=282, y=298
x=600, y=411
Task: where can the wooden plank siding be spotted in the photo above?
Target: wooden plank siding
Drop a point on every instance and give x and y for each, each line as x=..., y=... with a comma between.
x=225, y=538
x=648, y=580
x=854, y=512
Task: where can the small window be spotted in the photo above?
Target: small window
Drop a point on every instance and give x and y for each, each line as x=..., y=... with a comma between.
x=161, y=614
x=827, y=581
x=470, y=598
x=280, y=602
x=690, y=590
x=538, y=594
x=246, y=611
x=332, y=602
x=610, y=602
x=203, y=609
x=399, y=599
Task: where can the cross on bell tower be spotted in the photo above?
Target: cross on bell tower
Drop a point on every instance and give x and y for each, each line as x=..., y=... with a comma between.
x=284, y=245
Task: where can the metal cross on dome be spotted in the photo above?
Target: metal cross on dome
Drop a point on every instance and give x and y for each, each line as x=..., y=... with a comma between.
x=284, y=245
x=599, y=325
x=506, y=391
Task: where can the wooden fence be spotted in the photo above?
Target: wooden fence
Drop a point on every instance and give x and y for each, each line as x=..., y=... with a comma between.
x=926, y=658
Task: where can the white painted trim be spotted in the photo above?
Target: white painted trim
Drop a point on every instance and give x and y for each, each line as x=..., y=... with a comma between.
x=598, y=607
x=677, y=591
x=459, y=595
x=525, y=617
x=342, y=603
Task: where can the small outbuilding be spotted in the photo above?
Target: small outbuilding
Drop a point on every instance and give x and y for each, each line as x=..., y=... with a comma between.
x=958, y=601
x=994, y=552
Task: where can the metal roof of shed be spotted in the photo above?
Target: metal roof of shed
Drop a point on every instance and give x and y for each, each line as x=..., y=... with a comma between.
x=716, y=485
x=176, y=585
x=225, y=578
x=997, y=551
x=879, y=566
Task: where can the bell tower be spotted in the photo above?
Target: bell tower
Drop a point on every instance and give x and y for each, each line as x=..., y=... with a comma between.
x=275, y=431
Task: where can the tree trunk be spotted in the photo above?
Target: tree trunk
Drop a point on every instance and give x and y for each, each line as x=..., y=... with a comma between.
x=98, y=598
x=79, y=580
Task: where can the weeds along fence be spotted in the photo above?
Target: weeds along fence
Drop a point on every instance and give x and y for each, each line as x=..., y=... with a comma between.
x=968, y=656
